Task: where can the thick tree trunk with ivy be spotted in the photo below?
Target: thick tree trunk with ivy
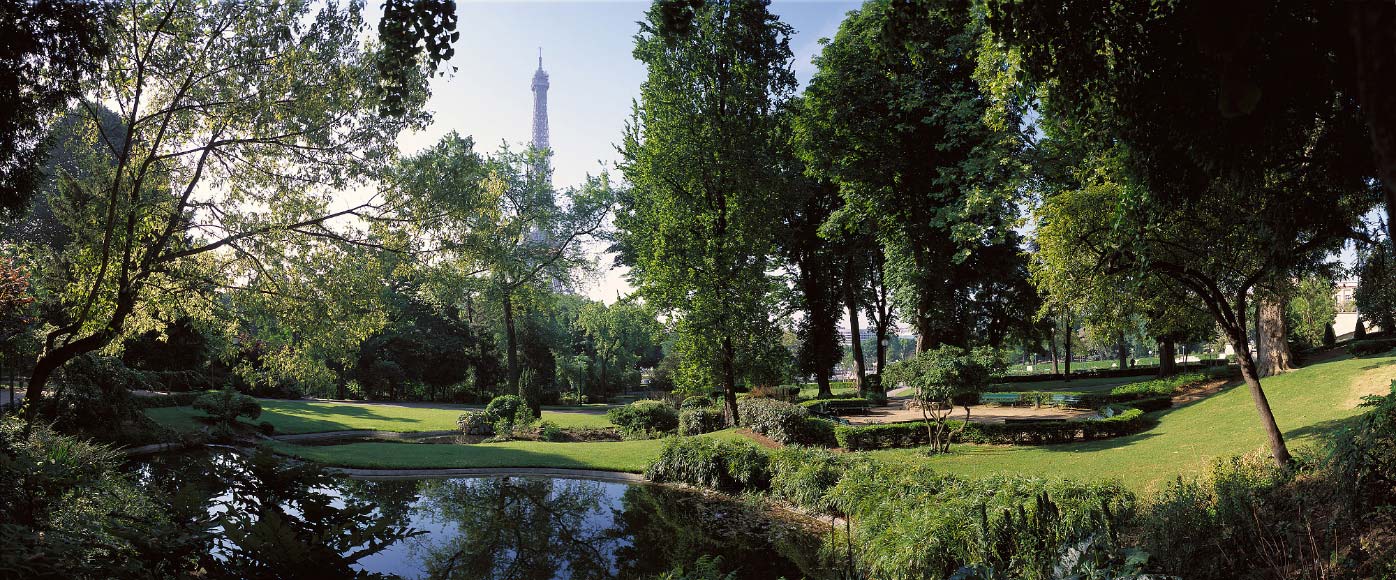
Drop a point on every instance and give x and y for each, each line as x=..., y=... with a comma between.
x=1167, y=358
x=1122, y=349
x=729, y=381
x=1272, y=338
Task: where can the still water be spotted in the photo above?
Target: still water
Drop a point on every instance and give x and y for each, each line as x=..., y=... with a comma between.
x=265, y=517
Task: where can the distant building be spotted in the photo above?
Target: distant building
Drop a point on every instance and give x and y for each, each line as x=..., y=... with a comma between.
x=1345, y=294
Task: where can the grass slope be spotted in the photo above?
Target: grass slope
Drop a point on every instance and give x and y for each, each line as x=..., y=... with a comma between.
x=1307, y=403
x=628, y=456
x=291, y=417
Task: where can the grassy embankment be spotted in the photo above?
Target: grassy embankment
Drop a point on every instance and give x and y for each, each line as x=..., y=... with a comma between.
x=1308, y=403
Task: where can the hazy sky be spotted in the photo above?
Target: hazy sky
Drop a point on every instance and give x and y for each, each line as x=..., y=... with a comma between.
x=587, y=54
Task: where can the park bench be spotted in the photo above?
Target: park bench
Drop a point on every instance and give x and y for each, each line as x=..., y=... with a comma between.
x=999, y=398
x=1062, y=400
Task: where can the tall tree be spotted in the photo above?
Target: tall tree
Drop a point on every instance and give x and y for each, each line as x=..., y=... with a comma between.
x=698, y=224
x=497, y=223
x=223, y=157
x=1376, y=284
x=896, y=117
x=49, y=47
x=1199, y=106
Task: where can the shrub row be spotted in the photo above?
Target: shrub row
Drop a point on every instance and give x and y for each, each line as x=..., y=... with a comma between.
x=1371, y=346
x=783, y=422
x=1163, y=386
x=890, y=435
x=833, y=401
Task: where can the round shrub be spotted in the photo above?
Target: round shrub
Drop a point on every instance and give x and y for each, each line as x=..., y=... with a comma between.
x=644, y=418
x=696, y=421
x=266, y=428
x=475, y=423
x=503, y=407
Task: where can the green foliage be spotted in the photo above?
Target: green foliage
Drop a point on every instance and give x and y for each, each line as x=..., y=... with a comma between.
x=1166, y=386
x=898, y=117
x=502, y=407
x=550, y=431
x=697, y=227
x=803, y=476
x=1365, y=452
x=643, y=419
x=1375, y=296
x=70, y=513
x=224, y=407
x=625, y=337
x=706, y=568
x=1329, y=337
x=891, y=435
x=731, y=466
x=266, y=428
x=914, y=522
x=1310, y=311
x=696, y=402
x=699, y=420
x=947, y=373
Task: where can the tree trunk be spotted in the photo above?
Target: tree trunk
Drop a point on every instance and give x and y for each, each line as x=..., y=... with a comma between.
x=511, y=360
x=1052, y=346
x=1167, y=365
x=1272, y=338
x=1262, y=404
x=855, y=335
x=1122, y=348
x=729, y=380
x=1066, y=341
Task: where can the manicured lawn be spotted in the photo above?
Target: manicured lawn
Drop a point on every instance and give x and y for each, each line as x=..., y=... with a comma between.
x=811, y=390
x=1307, y=403
x=316, y=416
x=629, y=456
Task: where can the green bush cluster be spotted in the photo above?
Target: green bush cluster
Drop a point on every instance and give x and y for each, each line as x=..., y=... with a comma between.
x=730, y=466
x=475, y=423
x=1370, y=347
x=696, y=402
x=502, y=407
x=506, y=414
x=550, y=431
x=912, y=434
x=834, y=401
x=1156, y=387
x=644, y=419
x=699, y=420
x=170, y=400
x=803, y=475
x=224, y=407
x=783, y=422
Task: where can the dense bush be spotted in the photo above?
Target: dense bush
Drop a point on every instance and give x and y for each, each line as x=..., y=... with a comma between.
x=881, y=436
x=913, y=522
x=731, y=466
x=783, y=422
x=644, y=418
x=549, y=431
x=225, y=406
x=1371, y=346
x=1152, y=404
x=833, y=401
x=699, y=420
x=502, y=407
x=803, y=475
x=506, y=427
x=170, y=400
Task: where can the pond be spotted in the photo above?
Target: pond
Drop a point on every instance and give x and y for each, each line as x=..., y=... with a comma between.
x=264, y=516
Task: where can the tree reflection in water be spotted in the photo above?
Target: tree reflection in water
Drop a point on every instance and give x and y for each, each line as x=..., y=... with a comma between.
x=261, y=517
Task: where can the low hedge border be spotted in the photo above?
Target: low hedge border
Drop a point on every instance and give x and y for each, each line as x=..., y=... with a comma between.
x=890, y=435
x=1369, y=347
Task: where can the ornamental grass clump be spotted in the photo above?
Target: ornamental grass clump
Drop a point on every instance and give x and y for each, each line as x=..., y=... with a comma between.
x=730, y=466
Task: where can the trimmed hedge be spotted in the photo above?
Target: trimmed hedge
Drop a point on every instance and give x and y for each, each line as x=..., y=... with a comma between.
x=1371, y=346
x=1152, y=404
x=889, y=435
x=834, y=400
